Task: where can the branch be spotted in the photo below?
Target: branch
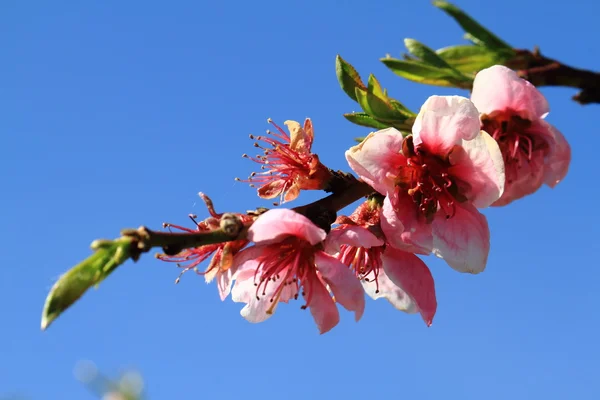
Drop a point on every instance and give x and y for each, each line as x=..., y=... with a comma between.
x=109, y=254
x=544, y=71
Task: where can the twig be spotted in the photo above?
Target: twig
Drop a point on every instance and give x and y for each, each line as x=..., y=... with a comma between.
x=544, y=71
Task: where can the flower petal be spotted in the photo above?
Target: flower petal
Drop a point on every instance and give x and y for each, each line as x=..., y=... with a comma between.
x=275, y=225
x=443, y=122
x=292, y=193
x=224, y=282
x=557, y=164
x=322, y=307
x=271, y=189
x=300, y=141
x=377, y=158
x=385, y=288
x=244, y=291
x=411, y=274
x=479, y=163
x=523, y=180
x=352, y=235
x=343, y=283
x=499, y=88
x=463, y=241
x=245, y=260
x=401, y=226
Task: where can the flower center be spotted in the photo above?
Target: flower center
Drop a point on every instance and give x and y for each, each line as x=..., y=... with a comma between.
x=518, y=141
x=426, y=179
x=289, y=266
x=279, y=161
x=364, y=262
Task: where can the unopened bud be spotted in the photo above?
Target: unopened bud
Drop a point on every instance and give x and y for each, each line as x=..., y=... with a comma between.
x=231, y=224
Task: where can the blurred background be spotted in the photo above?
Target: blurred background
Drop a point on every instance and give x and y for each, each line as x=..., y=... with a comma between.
x=115, y=114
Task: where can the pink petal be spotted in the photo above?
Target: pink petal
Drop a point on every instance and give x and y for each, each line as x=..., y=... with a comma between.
x=224, y=282
x=385, y=288
x=244, y=291
x=377, y=158
x=246, y=259
x=322, y=307
x=479, y=163
x=463, y=241
x=443, y=122
x=499, y=88
x=343, y=283
x=523, y=180
x=401, y=226
x=352, y=235
x=411, y=274
x=275, y=225
x=557, y=164
x=271, y=189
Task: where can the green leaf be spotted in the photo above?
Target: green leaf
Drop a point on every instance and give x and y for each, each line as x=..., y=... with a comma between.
x=472, y=59
x=402, y=108
x=378, y=107
x=471, y=26
x=364, y=119
x=90, y=272
x=375, y=87
x=348, y=78
x=427, y=74
x=425, y=54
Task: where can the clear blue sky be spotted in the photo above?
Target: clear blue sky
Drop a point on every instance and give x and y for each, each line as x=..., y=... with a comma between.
x=115, y=114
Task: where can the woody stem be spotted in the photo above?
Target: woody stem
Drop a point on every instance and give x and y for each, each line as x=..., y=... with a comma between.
x=544, y=71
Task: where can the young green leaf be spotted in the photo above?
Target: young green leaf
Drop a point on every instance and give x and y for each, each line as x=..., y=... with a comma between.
x=425, y=54
x=427, y=74
x=90, y=272
x=471, y=26
x=348, y=78
x=402, y=108
x=472, y=59
x=364, y=119
x=378, y=107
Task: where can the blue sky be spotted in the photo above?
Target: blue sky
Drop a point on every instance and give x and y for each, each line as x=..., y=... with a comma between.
x=115, y=114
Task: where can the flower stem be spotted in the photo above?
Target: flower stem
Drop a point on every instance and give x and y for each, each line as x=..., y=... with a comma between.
x=109, y=254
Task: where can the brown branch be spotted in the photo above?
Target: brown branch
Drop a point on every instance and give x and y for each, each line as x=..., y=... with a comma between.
x=110, y=254
x=544, y=71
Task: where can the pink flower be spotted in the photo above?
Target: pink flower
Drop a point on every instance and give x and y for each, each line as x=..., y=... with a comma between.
x=288, y=165
x=287, y=260
x=223, y=253
x=513, y=111
x=434, y=180
x=398, y=276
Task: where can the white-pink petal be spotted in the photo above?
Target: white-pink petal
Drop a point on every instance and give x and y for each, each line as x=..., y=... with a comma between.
x=352, y=235
x=275, y=225
x=343, y=283
x=463, y=241
x=443, y=122
x=411, y=274
x=385, y=288
x=557, y=163
x=479, y=163
x=322, y=306
x=499, y=88
x=377, y=158
x=402, y=227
